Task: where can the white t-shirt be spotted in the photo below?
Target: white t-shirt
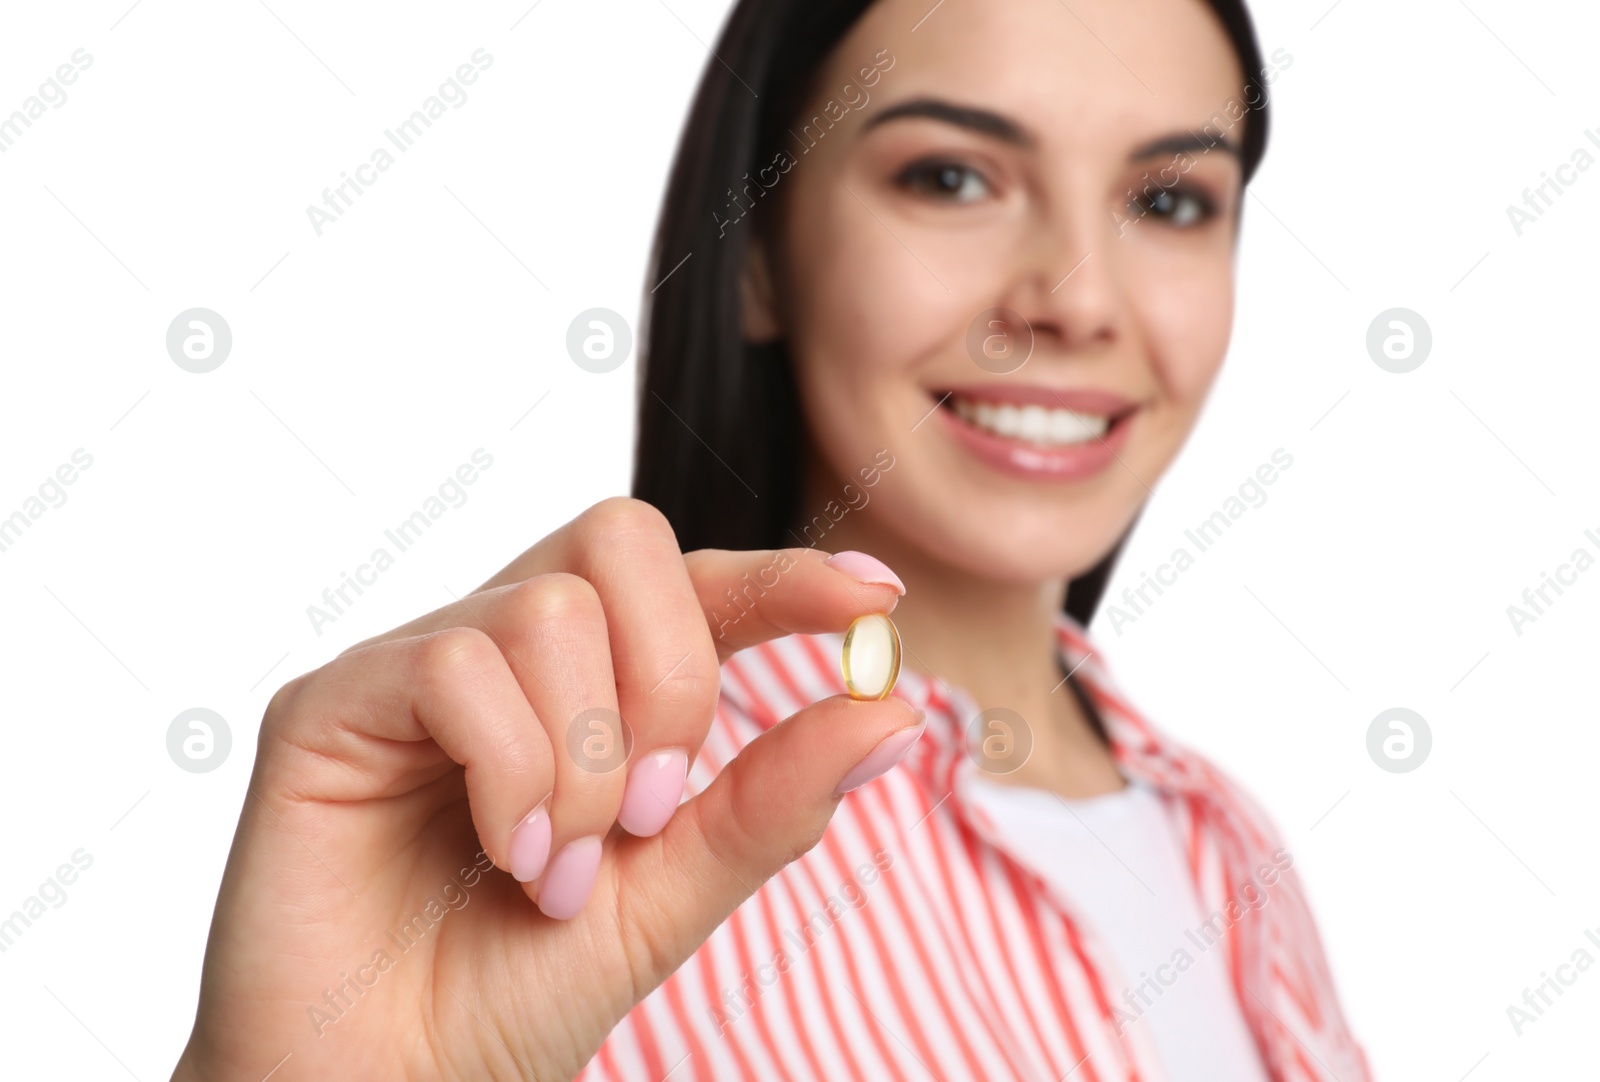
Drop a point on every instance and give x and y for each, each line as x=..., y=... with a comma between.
x=1117, y=860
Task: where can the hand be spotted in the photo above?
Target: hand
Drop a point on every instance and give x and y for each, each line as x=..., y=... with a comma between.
x=390, y=910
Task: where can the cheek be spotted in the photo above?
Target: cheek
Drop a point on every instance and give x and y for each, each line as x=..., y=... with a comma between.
x=1186, y=316
x=862, y=310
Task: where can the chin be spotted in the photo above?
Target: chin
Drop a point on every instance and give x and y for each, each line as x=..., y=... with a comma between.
x=1009, y=541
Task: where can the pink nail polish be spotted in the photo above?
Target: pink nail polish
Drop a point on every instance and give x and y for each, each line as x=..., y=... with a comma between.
x=570, y=878
x=530, y=845
x=655, y=785
x=882, y=757
x=865, y=569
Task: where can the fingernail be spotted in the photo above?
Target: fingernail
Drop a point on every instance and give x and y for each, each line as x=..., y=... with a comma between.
x=530, y=845
x=865, y=569
x=570, y=878
x=655, y=785
x=882, y=757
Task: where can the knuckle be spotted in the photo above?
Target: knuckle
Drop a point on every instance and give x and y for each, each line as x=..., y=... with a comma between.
x=762, y=838
x=306, y=713
x=554, y=597
x=455, y=656
x=514, y=751
x=624, y=517
x=785, y=558
x=281, y=707
x=806, y=841
x=693, y=683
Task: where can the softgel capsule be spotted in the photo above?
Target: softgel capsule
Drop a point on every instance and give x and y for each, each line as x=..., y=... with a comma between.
x=870, y=657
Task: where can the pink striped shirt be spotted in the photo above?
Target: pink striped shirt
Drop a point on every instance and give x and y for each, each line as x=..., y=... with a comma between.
x=913, y=940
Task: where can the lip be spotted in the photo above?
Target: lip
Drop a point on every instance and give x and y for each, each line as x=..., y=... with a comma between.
x=1031, y=461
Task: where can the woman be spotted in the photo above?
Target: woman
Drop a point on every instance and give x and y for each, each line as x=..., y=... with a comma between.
x=947, y=286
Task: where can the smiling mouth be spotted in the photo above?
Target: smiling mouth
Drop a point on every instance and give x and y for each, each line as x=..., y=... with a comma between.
x=1035, y=423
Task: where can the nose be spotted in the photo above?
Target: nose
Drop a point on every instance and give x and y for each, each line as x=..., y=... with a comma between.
x=1067, y=287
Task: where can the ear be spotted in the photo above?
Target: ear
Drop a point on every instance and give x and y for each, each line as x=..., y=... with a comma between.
x=758, y=311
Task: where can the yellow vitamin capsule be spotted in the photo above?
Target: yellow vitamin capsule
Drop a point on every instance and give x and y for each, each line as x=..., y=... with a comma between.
x=870, y=657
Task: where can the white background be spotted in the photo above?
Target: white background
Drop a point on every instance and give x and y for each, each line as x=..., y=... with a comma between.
x=369, y=362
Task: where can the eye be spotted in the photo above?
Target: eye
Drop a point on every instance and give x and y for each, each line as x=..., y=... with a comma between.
x=945, y=180
x=1178, y=208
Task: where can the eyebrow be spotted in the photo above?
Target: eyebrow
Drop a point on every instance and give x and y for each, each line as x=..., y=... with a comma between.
x=970, y=117
x=1182, y=143
x=997, y=126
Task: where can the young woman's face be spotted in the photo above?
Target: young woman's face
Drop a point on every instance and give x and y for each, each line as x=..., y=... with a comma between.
x=1017, y=155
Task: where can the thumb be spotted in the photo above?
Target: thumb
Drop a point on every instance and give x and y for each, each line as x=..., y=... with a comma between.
x=767, y=807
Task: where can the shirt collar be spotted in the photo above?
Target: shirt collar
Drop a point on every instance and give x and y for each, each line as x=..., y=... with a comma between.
x=773, y=680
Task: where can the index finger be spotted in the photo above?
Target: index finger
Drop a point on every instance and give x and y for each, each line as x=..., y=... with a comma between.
x=750, y=597
x=745, y=597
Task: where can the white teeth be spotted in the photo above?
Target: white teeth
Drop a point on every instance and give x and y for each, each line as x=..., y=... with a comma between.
x=1033, y=423
x=1069, y=427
